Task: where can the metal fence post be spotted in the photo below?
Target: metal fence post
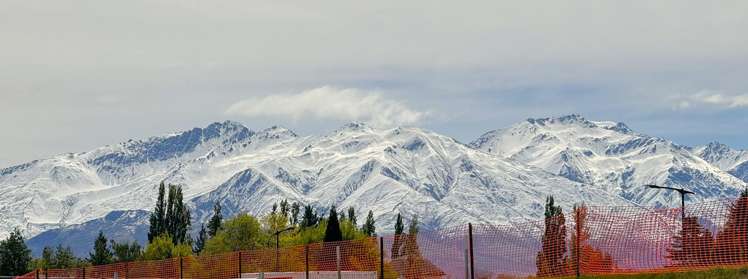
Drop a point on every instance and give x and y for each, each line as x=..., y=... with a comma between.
x=37, y=273
x=84, y=272
x=381, y=257
x=467, y=264
x=470, y=246
x=181, y=275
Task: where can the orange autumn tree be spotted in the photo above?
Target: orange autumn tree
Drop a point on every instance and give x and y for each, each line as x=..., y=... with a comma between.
x=590, y=260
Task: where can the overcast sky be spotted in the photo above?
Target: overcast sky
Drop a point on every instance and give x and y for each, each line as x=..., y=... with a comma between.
x=75, y=75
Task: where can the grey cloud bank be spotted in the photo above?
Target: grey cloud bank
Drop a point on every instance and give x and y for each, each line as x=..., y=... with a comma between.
x=80, y=74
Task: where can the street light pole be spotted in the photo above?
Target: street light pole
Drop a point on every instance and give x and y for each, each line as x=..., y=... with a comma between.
x=683, y=193
x=277, y=246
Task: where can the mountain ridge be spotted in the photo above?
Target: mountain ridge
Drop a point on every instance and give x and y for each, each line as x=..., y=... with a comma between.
x=402, y=169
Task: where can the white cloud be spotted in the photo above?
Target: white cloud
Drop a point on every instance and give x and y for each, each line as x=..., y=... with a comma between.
x=713, y=98
x=330, y=103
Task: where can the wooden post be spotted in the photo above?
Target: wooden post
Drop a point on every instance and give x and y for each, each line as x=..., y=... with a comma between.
x=577, y=245
x=467, y=264
x=381, y=257
x=37, y=273
x=306, y=261
x=470, y=246
x=337, y=259
x=84, y=272
x=240, y=265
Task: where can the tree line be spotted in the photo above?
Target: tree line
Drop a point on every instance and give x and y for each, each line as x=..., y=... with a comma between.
x=170, y=224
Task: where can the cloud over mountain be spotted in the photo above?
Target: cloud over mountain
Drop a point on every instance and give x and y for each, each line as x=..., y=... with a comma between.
x=330, y=103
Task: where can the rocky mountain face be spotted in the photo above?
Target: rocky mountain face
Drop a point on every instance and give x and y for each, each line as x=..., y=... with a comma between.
x=612, y=157
x=502, y=177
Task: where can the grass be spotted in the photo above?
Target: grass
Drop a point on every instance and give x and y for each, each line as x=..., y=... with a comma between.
x=717, y=273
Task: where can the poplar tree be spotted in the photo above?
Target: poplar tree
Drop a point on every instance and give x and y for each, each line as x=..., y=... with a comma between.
x=352, y=215
x=158, y=215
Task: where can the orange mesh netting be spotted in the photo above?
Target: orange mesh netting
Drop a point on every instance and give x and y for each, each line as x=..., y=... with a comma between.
x=591, y=240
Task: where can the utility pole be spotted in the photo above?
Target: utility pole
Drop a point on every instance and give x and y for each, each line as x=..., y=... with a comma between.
x=683, y=193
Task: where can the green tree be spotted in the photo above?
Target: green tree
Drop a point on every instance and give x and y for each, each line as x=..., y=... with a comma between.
x=369, y=228
x=396, y=243
x=101, y=253
x=48, y=258
x=352, y=215
x=239, y=233
x=550, y=260
x=332, y=232
x=14, y=255
x=214, y=225
x=199, y=244
x=177, y=216
x=158, y=215
x=295, y=208
x=126, y=251
x=64, y=258
x=163, y=247
x=310, y=217
x=284, y=208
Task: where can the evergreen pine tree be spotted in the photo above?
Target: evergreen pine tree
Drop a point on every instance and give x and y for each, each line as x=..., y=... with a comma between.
x=399, y=227
x=352, y=215
x=14, y=255
x=214, y=225
x=101, y=253
x=368, y=228
x=48, y=257
x=202, y=237
x=64, y=257
x=295, y=208
x=158, y=215
x=332, y=232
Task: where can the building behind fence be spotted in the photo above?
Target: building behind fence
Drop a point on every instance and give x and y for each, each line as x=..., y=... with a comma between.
x=589, y=241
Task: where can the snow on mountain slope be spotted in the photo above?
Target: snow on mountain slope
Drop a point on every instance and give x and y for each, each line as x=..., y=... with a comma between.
x=74, y=188
x=120, y=226
x=611, y=156
x=722, y=156
x=405, y=170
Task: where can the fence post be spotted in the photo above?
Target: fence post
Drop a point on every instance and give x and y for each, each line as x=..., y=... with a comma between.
x=470, y=246
x=467, y=264
x=381, y=257
x=306, y=261
x=37, y=273
x=239, y=275
x=181, y=275
x=84, y=272
x=337, y=260
x=127, y=270
x=577, y=245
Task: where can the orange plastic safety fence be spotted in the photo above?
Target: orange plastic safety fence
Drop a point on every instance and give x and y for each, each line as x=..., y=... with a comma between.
x=589, y=240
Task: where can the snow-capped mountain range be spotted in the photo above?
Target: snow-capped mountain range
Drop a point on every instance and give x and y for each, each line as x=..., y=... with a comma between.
x=502, y=177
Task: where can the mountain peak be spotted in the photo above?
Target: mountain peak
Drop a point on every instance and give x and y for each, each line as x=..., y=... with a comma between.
x=566, y=119
x=276, y=132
